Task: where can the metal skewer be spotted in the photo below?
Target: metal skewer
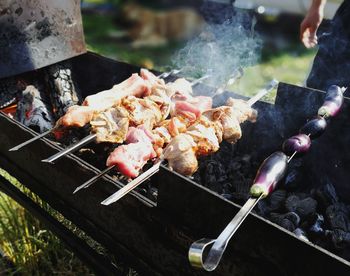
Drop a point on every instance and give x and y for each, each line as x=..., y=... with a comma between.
x=155, y=168
x=197, y=249
x=70, y=149
x=94, y=179
x=133, y=184
x=15, y=148
x=105, y=171
x=31, y=140
x=213, y=258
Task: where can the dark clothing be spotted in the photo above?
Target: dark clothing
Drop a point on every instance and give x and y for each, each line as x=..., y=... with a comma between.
x=217, y=12
x=332, y=62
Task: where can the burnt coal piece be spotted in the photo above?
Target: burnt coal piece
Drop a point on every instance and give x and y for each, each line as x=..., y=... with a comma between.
x=227, y=173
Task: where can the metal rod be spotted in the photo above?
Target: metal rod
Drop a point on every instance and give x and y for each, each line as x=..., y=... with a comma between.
x=70, y=149
x=30, y=140
x=132, y=185
x=93, y=179
x=197, y=81
x=263, y=92
x=195, y=254
x=164, y=75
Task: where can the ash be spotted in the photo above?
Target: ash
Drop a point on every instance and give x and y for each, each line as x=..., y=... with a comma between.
x=313, y=212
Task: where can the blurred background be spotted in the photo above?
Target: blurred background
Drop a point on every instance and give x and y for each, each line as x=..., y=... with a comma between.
x=152, y=33
x=216, y=37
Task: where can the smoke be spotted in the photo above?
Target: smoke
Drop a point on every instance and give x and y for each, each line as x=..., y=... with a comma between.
x=221, y=49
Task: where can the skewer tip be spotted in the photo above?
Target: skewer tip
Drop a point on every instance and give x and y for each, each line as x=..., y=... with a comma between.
x=105, y=203
x=14, y=149
x=47, y=161
x=77, y=190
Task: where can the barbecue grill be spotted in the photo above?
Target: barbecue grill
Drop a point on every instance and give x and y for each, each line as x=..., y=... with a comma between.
x=153, y=234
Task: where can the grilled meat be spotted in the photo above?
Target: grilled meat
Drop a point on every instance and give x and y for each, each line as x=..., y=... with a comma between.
x=180, y=89
x=181, y=154
x=142, y=111
x=130, y=158
x=206, y=133
x=111, y=125
x=235, y=112
x=242, y=110
x=78, y=116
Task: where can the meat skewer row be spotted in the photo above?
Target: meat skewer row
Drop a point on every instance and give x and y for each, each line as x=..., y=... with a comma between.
x=139, y=110
x=137, y=181
x=132, y=82
x=270, y=172
x=187, y=110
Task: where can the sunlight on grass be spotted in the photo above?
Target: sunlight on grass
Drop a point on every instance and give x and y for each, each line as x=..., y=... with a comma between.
x=27, y=245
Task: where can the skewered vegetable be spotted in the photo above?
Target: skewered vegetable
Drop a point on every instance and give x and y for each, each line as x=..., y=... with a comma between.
x=298, y=143
x=269, y=174
x=333, y=102
x=314, y=127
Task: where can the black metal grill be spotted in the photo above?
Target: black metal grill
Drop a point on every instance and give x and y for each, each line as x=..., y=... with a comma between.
x=154, y=235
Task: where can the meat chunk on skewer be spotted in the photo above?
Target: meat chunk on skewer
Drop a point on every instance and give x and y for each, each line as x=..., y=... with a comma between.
x=142, y=111
x=181, y=154
x=111, y=125
x=208, y=131
x=78, y=116
x=130, y=158
x=242, y=110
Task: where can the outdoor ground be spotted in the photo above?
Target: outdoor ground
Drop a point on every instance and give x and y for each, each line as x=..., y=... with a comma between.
x=36, y=251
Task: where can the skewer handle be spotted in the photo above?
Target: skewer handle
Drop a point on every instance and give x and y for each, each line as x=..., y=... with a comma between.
x=93, y=179
x=195, y=254
x=70, y=149
x=132, y=185
x=31, y=140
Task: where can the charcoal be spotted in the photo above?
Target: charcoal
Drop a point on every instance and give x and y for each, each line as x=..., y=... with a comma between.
x=34, y=110
x=316, y=228
x=289, y=221
x=338, y=217
x=212, y=175
x=325, y=195
x=340, y=238
x=300, y=233
x=9, y=91
x=294, y=176
x=263, y=208
x=63, y=92
x=303, y=207
x=277, y=199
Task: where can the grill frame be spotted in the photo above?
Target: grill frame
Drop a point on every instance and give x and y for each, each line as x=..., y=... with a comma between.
x=154, y=237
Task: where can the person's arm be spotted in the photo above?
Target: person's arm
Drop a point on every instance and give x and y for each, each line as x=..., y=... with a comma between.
x=311, y=22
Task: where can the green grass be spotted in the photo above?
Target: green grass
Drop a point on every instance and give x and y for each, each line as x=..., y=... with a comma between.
x=290, y=65
x=27, y=245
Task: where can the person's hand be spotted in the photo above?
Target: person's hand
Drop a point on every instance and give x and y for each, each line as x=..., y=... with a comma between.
x=309, y=26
